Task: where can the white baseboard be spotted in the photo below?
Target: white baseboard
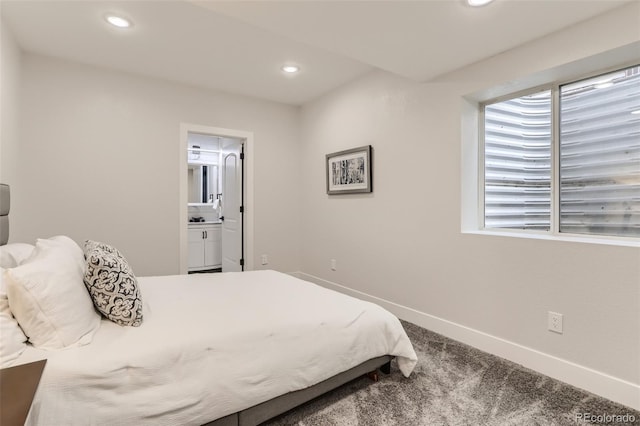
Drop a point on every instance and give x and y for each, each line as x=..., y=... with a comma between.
x=615, y=389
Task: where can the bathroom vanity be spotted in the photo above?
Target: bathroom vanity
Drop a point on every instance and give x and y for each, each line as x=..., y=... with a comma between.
x=205, y=246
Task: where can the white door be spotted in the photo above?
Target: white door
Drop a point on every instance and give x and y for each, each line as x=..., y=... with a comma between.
x=231, y=203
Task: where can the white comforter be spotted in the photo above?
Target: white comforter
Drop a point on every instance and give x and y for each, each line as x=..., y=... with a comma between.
x=211, y=345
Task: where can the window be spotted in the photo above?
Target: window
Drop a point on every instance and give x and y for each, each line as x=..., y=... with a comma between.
x=566, y=158
x=517, y=163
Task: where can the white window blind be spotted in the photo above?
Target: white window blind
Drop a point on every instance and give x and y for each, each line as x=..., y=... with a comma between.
x=517, y=162
x=600, y=155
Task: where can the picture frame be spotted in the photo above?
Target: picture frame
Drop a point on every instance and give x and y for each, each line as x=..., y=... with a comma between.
x=349, y=171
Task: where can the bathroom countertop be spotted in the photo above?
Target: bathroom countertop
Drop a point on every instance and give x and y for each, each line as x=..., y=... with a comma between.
x=211, y=222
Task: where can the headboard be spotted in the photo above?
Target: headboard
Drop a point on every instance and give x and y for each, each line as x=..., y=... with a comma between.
x=5, y=204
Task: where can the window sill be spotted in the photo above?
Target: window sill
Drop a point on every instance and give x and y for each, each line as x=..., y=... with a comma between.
x=591, y=239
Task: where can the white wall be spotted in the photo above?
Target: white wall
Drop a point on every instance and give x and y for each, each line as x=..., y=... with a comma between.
x=99, y=159
x=403, y=243
x=10, y=69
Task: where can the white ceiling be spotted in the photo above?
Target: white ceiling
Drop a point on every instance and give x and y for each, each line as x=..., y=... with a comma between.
x=239, y=46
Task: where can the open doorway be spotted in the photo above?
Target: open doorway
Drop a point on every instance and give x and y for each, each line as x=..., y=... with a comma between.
x=216, y=194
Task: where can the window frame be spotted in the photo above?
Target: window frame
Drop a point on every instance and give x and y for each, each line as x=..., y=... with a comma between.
x=554, y=202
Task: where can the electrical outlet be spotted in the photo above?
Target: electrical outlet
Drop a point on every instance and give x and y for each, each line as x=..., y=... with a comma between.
x=334, y=265
x=554, y=322
x=264, y=259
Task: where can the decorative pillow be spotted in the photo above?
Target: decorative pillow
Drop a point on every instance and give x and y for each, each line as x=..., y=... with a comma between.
x=12, y=255
x=112, y=285
x=47, y=297
x=12, y=339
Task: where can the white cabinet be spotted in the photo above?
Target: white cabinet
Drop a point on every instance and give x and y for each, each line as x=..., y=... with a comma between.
x=205, y=247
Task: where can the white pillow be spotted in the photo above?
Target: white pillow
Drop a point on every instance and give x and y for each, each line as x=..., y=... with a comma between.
x=12, y=255
x=68, y=245
x=12, y=339
x=48, y=297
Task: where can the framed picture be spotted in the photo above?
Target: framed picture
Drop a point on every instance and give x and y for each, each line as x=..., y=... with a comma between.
x=349, y=172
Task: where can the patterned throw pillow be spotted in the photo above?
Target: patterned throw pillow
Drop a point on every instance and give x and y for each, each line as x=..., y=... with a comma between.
x=112, y=285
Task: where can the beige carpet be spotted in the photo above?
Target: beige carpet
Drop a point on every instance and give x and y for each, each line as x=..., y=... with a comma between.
x=454, y=384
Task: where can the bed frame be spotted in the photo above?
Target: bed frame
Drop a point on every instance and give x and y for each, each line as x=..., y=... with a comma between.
x=260, y=413
x=4, y=213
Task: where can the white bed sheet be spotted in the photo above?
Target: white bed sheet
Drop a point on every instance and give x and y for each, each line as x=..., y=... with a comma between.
x=211, y=345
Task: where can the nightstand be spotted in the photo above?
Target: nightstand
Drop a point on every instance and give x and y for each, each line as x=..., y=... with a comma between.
x=18, y=386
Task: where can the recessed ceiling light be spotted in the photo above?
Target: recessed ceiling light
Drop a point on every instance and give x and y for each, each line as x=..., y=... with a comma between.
x=118, y=21
x=476, y=3
x=290, y=69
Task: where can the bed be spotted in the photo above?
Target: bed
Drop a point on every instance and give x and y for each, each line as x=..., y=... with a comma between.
x=216, y=349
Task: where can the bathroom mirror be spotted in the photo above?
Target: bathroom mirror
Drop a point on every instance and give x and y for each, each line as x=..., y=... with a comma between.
x=203, y=183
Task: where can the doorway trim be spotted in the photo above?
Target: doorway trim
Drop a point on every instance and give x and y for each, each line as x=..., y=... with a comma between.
x=247, y=190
